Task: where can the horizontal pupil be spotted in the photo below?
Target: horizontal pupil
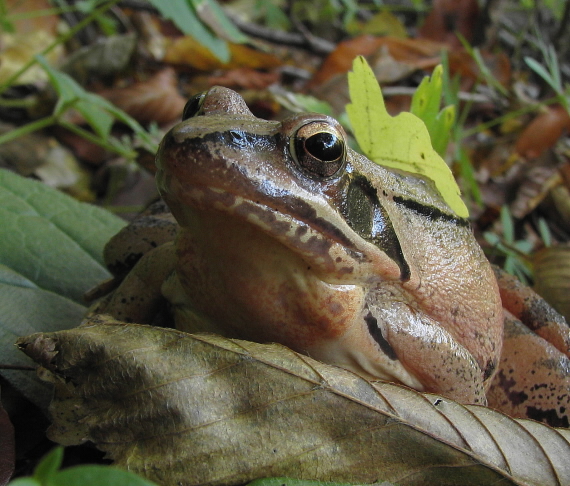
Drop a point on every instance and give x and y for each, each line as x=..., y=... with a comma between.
x=324, y=146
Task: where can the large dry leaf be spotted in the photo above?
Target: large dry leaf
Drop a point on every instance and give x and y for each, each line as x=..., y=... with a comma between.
x=200, y=409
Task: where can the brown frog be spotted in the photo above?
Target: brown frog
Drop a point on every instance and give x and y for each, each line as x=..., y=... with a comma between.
x=287, y=235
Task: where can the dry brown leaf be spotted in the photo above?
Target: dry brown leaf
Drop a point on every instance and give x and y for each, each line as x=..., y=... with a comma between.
x=188, y=52
x=418, y=53
x=533, y=188
x=187, y=409
x=543, y=132
x=245, y=78
x=560, y=197
x=448, y=18
x=25, y=18
x=552, y=277
x=156, y=99
x=105, y=57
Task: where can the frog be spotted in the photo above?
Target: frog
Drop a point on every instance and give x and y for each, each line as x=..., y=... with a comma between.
x=279, y=231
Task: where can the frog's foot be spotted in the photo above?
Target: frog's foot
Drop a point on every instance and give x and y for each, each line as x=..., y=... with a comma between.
x=139, y=298
x=533, y=380
x=150, y=229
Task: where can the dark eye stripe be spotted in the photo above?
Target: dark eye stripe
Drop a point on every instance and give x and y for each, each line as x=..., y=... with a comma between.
x=365, y=214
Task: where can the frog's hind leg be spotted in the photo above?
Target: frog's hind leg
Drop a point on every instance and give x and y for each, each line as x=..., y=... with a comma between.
x=533, y=379
x=534, y=312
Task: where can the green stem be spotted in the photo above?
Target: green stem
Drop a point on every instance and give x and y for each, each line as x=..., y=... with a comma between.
x=508, y=116
x=129, y=154
x=40, y=13
x=29, y=128
x=60, y=40
x=17, y=102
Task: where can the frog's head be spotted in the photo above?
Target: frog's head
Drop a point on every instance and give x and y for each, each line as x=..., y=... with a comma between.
x=288, y=235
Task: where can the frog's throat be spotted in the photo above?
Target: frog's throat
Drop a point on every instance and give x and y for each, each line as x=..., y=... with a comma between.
x=327, y=247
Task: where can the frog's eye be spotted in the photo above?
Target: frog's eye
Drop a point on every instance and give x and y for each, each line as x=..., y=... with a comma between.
x=193, y=106
x=319, y=149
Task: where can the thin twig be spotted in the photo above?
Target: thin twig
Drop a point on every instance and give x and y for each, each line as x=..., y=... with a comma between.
x=315, y=44
x=17, y=367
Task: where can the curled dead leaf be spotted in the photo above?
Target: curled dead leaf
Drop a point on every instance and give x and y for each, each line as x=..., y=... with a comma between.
x=416, y=53
x=201, y=409
x=156, y=99
x=560, y=196
x=188, y=52
x=448, y=18
x=552, y=277
x=543, y=132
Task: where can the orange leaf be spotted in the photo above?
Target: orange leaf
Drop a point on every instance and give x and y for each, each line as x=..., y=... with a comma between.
x=543, y=132
x=187, y=51
x=419, y=53
x=156, y=99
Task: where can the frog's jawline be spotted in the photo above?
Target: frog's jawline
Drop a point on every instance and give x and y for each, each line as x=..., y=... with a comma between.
x=273, y=222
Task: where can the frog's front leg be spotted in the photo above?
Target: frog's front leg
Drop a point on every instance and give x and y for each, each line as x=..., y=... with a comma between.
x=139, y=298
x=534, y=374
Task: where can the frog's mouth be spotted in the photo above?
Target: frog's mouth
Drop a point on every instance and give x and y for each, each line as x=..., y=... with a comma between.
x=324, y=244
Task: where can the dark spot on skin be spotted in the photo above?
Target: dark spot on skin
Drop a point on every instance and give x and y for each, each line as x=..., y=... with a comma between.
x=336, y=308
x=422, y=155
x=119, y=268
x=376, y=333
x=489, y=369
x=538, y=313
x=549, y=416
x=515, y=397
x=300, y=231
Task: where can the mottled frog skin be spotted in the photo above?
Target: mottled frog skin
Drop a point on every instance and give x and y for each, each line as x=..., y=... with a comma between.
x=287, y=235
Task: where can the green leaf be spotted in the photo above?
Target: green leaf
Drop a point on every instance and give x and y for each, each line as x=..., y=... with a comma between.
x=52, y=239
x=425, y=105
x=97, y=111
x=293, y=482
x=98, y=476
x=401, y=142
x=73, y=95
x=508, y=225
x=24, y=482
x=214, y=16
x=49, y=465
x=183, y=14
x=47, y=473
x=50, y=254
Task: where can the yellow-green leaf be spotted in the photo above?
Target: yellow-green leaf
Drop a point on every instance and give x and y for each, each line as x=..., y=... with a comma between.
x=425, y=105
x=401, y=142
